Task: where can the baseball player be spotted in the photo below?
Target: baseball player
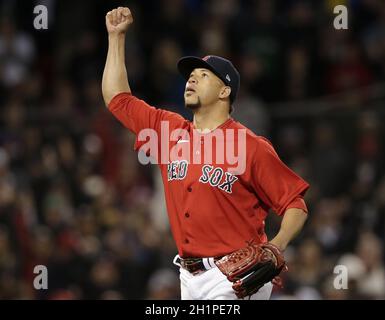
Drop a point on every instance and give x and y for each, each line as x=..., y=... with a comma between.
x=216, y=209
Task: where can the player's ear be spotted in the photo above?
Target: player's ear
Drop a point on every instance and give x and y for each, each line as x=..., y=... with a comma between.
x=225, y=92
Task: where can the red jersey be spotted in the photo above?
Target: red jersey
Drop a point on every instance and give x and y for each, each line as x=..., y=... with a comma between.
x=212, y=209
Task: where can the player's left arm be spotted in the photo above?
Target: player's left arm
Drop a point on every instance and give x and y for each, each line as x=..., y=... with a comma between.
x=282, y=190
x=291, y=225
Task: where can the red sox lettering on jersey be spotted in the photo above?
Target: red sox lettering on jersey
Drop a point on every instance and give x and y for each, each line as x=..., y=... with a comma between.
x=213, y=206
x=216, y=177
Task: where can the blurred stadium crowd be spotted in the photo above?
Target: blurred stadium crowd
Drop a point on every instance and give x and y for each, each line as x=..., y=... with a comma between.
x=73, y=196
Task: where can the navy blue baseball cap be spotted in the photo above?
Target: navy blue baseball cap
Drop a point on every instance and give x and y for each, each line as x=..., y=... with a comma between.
x=221, y=67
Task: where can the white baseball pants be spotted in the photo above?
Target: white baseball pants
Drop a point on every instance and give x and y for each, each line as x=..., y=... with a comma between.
x=213, y=285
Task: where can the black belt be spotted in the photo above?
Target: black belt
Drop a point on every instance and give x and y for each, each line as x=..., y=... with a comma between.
x=194, y=265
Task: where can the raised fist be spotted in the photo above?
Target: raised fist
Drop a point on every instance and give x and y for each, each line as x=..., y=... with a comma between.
x=118, y=20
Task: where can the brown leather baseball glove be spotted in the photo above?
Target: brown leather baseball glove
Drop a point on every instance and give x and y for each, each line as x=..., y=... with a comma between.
x=251, y=267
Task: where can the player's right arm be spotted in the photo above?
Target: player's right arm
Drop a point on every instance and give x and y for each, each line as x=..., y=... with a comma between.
x=115, y=74
x=135, y=114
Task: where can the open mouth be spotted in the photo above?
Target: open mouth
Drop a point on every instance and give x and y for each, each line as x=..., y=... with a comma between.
x=189, y=91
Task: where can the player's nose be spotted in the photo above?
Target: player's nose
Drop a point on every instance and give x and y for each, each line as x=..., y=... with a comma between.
x=192, y=80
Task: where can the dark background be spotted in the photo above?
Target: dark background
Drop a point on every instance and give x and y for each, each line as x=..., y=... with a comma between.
x=73, y=196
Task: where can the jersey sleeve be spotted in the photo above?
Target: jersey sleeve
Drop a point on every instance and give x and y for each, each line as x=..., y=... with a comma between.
x=298, y=203
x=136, y=115
x=275, y=184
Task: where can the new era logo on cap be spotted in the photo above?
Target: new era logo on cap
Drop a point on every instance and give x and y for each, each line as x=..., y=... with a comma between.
x=228, y=78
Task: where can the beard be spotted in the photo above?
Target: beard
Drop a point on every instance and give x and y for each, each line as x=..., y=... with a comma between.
x=193, y=105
